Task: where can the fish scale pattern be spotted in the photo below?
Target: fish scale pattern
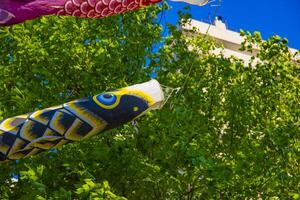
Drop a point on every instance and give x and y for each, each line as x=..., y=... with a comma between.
x=17, y=11
x=53, y=127
x=101, y=8
x=27, y=135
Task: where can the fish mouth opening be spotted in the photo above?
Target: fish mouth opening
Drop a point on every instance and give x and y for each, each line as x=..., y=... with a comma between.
x=153, y=90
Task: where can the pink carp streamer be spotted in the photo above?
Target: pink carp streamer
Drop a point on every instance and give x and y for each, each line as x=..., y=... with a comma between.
x=17, y=11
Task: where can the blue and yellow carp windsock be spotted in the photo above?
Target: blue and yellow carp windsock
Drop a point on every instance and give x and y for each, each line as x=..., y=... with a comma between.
x=29, y=134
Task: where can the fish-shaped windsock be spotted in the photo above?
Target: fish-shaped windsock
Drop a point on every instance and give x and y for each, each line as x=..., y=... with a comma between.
x=29, y=134
x=16, y=11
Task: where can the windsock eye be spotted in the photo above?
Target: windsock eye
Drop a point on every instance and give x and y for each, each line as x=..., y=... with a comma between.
x=107, y=99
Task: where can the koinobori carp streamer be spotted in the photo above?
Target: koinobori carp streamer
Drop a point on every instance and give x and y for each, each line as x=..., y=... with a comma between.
x=17, y=11
x=29, y=134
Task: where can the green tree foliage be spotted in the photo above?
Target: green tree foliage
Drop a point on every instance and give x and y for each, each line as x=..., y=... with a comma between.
x=232, y=132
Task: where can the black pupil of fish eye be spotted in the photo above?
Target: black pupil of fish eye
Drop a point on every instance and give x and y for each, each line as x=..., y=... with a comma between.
x=107, y=96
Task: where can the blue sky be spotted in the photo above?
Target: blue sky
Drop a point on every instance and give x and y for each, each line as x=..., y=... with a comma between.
x=270, y=17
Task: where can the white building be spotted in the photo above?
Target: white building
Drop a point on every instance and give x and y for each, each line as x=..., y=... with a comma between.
x=230, y=40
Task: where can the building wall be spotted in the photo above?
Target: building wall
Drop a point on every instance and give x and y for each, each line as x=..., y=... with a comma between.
x=230, y=40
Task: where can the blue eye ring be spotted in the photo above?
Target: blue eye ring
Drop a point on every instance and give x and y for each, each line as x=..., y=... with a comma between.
x=107, y=99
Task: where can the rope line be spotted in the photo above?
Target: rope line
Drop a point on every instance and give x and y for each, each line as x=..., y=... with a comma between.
x=206, y=34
